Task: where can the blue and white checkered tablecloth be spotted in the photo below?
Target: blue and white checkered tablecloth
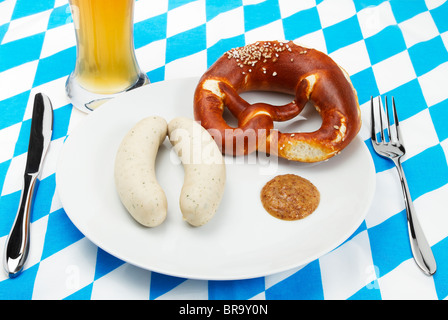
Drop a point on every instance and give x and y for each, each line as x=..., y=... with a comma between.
x=396, y=47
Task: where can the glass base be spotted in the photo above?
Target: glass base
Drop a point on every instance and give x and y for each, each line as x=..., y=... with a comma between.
x=87, y=101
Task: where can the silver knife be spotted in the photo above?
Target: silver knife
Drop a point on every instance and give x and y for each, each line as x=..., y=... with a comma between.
x=17, y=243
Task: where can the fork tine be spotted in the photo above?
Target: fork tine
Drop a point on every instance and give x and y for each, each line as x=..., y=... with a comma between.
x=373, y=125
x=397, y=124
x=388, y=120
x=381, y=119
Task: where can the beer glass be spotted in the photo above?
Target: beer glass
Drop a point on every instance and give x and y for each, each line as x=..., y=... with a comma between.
x=105, y=59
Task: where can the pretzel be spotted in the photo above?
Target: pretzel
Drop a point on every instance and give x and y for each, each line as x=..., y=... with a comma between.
x=307, y=74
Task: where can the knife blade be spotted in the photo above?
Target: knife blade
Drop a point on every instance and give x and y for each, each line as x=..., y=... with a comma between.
x=17, y=242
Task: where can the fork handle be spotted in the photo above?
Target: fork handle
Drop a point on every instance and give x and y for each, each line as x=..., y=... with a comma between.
x=421, y=250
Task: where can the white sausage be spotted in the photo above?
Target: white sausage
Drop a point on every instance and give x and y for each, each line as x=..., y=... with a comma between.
x=204, y=170
x=135, y=177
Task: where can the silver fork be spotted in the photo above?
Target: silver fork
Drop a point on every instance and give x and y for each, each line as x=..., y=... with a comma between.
x=393, y=148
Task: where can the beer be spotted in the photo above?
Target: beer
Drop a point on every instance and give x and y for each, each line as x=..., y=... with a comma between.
x=105, y=62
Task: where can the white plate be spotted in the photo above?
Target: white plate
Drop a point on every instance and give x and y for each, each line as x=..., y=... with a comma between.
x=242, y=240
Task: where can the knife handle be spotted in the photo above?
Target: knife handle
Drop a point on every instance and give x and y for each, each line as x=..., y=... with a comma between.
x=17, y=243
